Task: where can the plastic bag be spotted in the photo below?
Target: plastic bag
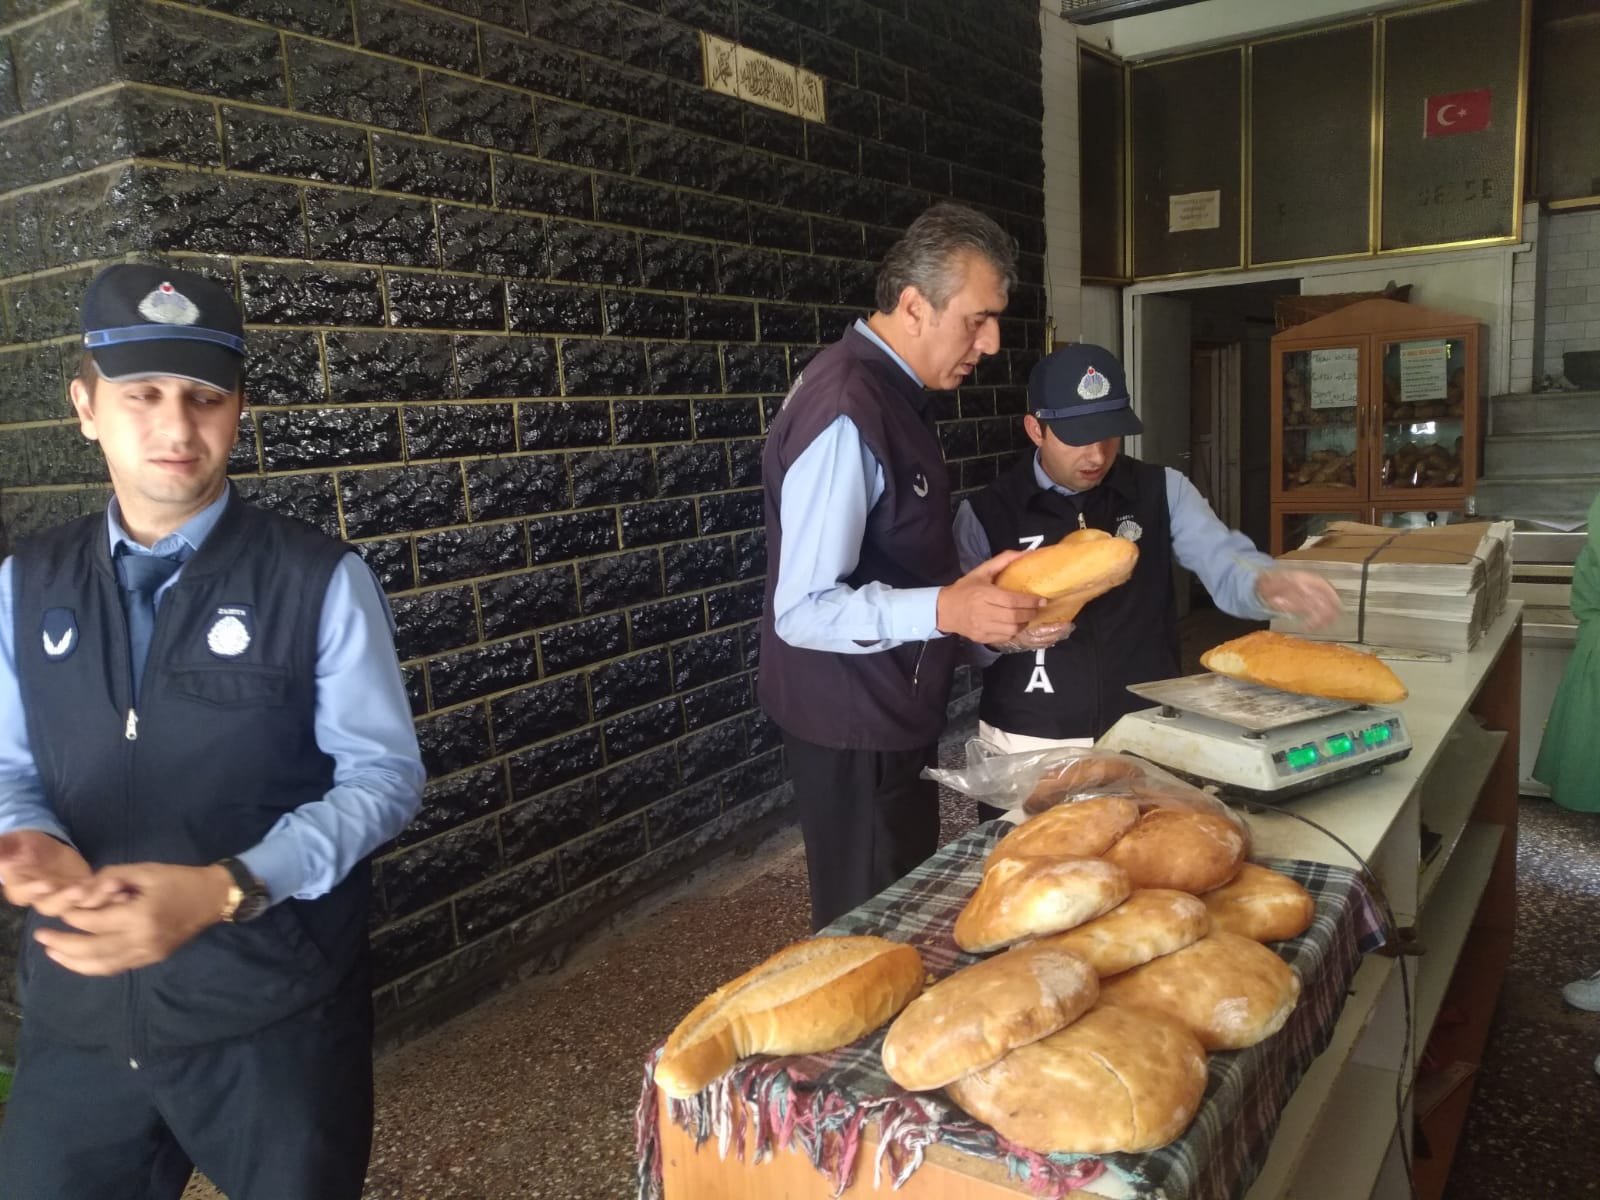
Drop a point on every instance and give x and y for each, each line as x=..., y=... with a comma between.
x=1036, y=780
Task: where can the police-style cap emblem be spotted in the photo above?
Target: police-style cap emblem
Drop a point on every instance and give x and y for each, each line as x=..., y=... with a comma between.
x=59, y=633
x=145, y=321
x=1093, y=385
x=232, y=630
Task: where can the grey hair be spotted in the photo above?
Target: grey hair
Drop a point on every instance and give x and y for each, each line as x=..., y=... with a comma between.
x=926, y=256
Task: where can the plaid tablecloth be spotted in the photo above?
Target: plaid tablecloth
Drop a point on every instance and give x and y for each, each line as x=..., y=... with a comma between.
x=821, y=1104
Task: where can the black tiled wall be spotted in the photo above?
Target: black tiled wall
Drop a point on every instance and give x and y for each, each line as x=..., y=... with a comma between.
x=521, y=296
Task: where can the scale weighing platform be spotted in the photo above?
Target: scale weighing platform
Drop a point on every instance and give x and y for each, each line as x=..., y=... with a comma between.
x=1257, y=741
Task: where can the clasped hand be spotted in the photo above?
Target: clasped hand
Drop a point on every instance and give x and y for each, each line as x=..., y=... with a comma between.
x=120, y=917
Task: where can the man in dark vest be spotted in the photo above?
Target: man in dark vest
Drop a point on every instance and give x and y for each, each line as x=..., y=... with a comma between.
x=203, y=737
x=1076, y=478
x=864, y=599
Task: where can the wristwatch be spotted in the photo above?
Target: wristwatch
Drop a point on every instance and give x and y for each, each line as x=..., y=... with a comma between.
x=247, y=898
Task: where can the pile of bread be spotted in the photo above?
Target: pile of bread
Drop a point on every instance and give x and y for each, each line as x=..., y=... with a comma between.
x=1128, y=929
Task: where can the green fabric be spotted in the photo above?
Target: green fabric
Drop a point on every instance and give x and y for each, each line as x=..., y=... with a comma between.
x=1569, y=756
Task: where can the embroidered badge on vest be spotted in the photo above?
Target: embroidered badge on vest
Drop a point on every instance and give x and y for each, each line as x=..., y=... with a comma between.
x=1093, y=385
x=168, y=306
x=1128, y=528
x=59, y=633
x=919, y=484
x=232, y=632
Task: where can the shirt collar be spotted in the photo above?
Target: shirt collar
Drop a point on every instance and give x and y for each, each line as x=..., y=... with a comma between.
x=188, y=536
x=866, y=331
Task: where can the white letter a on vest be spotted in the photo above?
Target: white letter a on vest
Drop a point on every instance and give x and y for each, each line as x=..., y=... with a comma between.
x=1038, y=681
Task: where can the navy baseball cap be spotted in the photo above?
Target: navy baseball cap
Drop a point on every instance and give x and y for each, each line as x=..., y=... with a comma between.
x=144, y=321
x=1079, y=392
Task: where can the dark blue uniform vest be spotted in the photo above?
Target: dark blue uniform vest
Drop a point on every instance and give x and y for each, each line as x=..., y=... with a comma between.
x=224, y=746
x=891, y=699
x=1129, y=635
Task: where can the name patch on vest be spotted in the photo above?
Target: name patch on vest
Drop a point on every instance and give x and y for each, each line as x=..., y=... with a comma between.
x=232, y=629
x=59, y=633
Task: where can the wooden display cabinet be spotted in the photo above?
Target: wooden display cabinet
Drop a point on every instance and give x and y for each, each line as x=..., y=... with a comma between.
x=1292, y=524
x=1375, y=408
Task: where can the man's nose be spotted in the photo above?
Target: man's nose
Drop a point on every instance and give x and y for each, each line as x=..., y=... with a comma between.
x=989, y=336
x=174, y=418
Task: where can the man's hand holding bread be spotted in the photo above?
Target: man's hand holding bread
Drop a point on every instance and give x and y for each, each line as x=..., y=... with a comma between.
x=976, y=608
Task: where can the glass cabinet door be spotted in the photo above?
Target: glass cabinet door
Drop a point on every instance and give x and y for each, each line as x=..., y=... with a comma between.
x=1424, y=384
x=1291, y=528
x=1321, y=421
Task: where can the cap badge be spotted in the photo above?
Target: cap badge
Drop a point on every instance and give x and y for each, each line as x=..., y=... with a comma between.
x=1093, y=385
x=168, y=306
x=229, y=635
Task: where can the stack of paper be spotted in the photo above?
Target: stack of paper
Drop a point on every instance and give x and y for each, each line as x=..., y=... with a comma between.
x=1436, y=588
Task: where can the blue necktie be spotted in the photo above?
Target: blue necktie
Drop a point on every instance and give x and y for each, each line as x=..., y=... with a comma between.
x=141, y=575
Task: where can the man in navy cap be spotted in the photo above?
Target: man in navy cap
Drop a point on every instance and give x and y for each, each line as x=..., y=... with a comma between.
x=203, y=736
x=1077, y=478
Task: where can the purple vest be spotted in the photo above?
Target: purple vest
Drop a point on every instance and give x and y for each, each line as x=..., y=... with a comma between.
x=890, y=699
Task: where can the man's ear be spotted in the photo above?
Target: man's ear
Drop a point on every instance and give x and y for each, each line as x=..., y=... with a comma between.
x=914, y=309
x=1034, y=430
x=82, y=407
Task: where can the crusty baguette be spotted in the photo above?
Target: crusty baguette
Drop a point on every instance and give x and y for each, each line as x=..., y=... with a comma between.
x=1184, y=849
x=1082, y=829
x=1027, y=897
x=973, y=1018
x=1070, y=573
x=1229, y=991
x=1148, y=924
x=1291, y=664
x=814, y=995
x=1261, y=904
x=1115, y=1079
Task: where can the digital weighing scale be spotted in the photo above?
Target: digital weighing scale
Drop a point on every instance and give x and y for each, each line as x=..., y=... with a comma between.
x=1257, y=741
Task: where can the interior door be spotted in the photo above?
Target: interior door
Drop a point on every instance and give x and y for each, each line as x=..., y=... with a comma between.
x=1160, y=364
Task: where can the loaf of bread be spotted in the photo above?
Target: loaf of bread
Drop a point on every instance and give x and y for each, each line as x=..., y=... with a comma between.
x=1092, y=774
x=1148, y=924
x=812, y=996
x=1028, y=897
x=1229, y=991
x=1082, y=829
x=1187, y=850
x=1114, y=1080
x=1291, y=664
x=1084, y=564
x=981, y=1013
x=1260, y=904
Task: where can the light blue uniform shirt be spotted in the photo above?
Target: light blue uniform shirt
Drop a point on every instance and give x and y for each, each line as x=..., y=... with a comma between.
x=362, y=722
x=826, y=496
x=1226, y=561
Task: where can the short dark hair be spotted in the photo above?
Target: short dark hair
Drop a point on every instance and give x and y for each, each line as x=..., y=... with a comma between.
x=925, y=257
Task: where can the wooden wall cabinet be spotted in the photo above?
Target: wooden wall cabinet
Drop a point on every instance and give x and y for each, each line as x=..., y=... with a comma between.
x=1375, y=409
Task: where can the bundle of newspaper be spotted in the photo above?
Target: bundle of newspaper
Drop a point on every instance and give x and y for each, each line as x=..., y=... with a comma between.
x=1435, y=588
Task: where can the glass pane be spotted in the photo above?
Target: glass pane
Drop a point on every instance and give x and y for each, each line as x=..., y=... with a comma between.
x=1569, y=97
x=1311, y=138
x=1100, y=166
x=1321, y=391
x=1185, y=117
x=1450, y=123
x=1297, y=527
x=1424, y=398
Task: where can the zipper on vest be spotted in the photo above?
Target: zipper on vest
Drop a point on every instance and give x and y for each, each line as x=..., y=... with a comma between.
x=1082, y=524
x=131, y=729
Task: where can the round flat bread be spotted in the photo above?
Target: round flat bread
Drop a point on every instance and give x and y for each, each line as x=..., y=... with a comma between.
x=1028, y=897
x=1261, y=904
x=1080, y=829
x=1187, y=850
x=1229, y=991
x=1148, y=924
x=976, y=1016
x=1114, y=1080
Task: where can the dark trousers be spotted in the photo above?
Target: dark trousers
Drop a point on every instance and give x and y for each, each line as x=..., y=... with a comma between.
x=866, y=817
x=284, y=1113
x=988, y=812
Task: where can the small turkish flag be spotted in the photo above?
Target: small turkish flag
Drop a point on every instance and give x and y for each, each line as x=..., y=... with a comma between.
x=1458, y=112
